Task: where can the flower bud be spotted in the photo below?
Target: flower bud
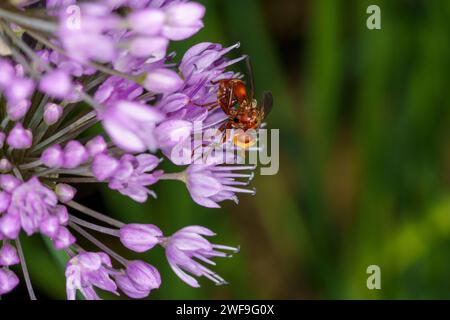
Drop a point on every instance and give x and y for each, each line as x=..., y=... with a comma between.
x=140, y=237
x=50, y=226
x=148, y=21
x=7, y=74
x=18, y=109
x=5, y=200
x=62, y=214
x=183, y=20
x=56, y=84
x=8, y=182
x=8, y=255
x=20, y=138
x=104, y=166
x=143, y=275
x=8, y=281
x=52, y=113
x=10, y=226
x=19, y=89
x=130, y=125
x=65, y=192
x=162, y=81
x=63, y=238
x=129, y=288
x=144, y=47
x=53, y=157
x=5, y=165
x=96, y=146
x=74, y=154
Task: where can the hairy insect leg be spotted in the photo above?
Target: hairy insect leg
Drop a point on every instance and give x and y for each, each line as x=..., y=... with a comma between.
x=209, y=147
x=223, y=129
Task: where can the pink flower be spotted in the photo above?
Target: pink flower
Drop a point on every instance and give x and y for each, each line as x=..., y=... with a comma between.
x=210, y=184
x=162, y=81
x=56, y=84
x=86, y=271
x=183, y=20
x=188, y=245
x=140, y=237
x=19, y=137
x=8, y=281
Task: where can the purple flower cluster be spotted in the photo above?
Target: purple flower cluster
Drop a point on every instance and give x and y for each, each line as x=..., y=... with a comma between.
x=106, y=62
x=136, y=278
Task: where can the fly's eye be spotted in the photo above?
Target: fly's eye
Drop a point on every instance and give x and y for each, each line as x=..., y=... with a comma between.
x=236, y=120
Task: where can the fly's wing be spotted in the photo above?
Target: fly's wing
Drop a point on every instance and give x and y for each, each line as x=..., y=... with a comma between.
x=267, y=103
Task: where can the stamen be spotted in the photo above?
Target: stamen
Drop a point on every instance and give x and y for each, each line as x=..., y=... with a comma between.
x=234, y=175
x=237, y=183
x=234, y=168
x=204, y=259
x=233, y=61
x=222, y=247
x=230, y=48
x=152, y=193
x=211, y=275
x=234, y=189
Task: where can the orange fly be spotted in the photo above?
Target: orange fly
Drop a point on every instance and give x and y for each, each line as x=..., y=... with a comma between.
x=242, y=109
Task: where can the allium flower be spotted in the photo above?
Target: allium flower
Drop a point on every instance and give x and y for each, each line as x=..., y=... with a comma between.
x=87, y=270
x=140, y=237
x=209, y=184
x=139, y=279
x=106, y=64
x=188, y=245
x=132, y=176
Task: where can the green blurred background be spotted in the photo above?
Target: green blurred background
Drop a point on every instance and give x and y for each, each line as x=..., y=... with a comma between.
x=365, y=158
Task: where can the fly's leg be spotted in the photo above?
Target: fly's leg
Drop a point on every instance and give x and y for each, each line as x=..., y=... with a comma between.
x=223, y=129
x=223, y=138
x=209, y=147
x=210, y=106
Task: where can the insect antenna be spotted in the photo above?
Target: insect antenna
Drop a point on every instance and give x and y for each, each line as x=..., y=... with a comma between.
x=250, y=77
